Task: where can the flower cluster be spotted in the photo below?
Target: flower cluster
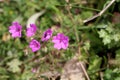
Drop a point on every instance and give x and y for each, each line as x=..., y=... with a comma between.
x=60, y=40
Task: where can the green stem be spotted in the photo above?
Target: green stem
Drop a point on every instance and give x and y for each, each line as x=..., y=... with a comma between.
x=92, y=9
x=74, y=27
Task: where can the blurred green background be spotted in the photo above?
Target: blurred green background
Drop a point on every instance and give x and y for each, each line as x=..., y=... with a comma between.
x=97, y=40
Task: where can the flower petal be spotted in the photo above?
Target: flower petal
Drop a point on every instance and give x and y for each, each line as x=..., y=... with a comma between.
x=57, y=46
x=31, y=30
x=64, y=46
x=47, y=35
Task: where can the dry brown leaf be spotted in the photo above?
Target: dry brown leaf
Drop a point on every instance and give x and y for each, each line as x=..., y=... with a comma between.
x=6, y=37
x=34, y=17
x=72, y=70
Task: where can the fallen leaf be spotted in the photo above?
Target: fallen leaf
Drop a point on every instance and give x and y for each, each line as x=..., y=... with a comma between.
x=72, y=70
x=34, y=17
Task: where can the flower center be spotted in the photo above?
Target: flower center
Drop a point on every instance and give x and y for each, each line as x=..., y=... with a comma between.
x=36, y=45
x=61, y=39
x=17, y=29
x=45, y=35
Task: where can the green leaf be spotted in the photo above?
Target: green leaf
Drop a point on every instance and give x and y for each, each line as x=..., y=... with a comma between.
x=102, y=33
x=118, y=78
x=14, y=65
x=107, y=39
x=118, y=54
x=116, y=37
x=87, y=45
x=106, y=36
x=95, y=63
x=86, y=14
x=27, y=75
x=117, y=0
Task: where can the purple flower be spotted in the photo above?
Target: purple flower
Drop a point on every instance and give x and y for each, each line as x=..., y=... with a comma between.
x=31, y=30
x=34, y=45
x=15, y=29
x=47, y=35
x=60, y=41
x=34, y=70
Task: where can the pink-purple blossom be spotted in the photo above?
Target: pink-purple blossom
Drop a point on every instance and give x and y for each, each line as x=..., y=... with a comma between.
x=15, y=29
x=34, y=45
x=60, y=41
x=47, y=35
x=31, y=30
x=34, y=70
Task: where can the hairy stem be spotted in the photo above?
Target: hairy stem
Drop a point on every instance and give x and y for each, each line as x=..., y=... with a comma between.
x=100, y=13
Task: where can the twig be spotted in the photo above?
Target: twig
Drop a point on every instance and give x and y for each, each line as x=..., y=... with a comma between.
x=85, y=72
x=100, y=13
x=82, y=7
x=101, y=76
